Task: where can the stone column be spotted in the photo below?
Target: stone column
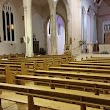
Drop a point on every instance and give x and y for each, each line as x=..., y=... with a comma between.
x=85, y=29
x=97, y=42
x=91, y=34
x=52, y=6
x=28, y=27
x=85, y=25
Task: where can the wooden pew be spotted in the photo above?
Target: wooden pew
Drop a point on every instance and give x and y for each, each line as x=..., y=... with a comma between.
x=14, y=67
x=30, y=65
x=80, y=69
x=76, y=97
x=64, y=58
x=67, y=83
x=41, y=64
x=11, y=56
x=2, y=70
x=7, y=71
x=86, y=66
x=88, y=63
x=46, y=61
x=71, y=75
x=97, y=59
x=2, y=78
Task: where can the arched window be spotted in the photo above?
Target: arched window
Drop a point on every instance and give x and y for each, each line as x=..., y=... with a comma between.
x=8, y=22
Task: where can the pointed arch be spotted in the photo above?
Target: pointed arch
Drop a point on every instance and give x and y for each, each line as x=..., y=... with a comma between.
x=8, y=22
x=68, y=23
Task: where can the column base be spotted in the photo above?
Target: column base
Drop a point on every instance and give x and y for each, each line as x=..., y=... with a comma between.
x=29, y=54
x=90, y=48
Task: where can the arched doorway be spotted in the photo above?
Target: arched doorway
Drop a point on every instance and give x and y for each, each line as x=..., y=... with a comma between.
x=60, y=30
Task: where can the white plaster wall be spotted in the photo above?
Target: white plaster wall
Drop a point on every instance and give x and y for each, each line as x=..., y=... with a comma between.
x=75, y=7
x=38, y=27
x=93, y=33
x=13, y=47
x=87, y=3
x=104, y=16
x=61, y=36
x=61, y=41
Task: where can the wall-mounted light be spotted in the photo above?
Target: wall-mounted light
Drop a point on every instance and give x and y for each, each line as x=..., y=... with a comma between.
x=12, y=27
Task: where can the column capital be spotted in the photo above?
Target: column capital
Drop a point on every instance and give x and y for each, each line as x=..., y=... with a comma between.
x=86, y=10
x=52, y=4
x=27, y=3
x=25, y=8
x=53, y=12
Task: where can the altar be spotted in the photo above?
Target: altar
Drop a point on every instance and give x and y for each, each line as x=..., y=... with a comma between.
x=104, y=48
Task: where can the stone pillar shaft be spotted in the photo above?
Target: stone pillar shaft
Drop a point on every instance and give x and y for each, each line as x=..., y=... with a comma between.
x=52, y=5
x=28, y=27
x=53, y=32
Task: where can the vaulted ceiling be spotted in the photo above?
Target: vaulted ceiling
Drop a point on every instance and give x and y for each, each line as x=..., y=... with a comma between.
x=107, y=1
x=41, y=3
x=100, y=1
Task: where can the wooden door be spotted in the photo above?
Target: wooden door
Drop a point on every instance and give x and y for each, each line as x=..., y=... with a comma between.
x=36, y=47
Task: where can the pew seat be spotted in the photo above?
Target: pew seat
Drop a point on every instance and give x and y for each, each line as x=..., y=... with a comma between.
x=83, y=99
x=72, y=75
x=80, y=69
x=87, y=63
x=86, y=66
x=50, y=104
x=96, y=87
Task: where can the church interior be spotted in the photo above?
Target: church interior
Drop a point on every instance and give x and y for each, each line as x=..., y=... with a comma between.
x=54, y=55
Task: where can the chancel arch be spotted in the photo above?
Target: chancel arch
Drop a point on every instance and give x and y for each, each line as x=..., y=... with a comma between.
x=63, y=9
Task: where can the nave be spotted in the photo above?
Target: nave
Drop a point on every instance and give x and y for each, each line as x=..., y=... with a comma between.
x=37, y=88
